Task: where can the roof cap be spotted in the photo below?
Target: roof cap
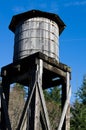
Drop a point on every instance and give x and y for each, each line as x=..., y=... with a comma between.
x=35, y=13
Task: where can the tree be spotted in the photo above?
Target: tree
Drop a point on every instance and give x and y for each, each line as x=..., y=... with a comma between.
x=81, y=94
x=53, y=94
x=78, y=117
x=78, y=109
x=16, y=104
x=53, y=101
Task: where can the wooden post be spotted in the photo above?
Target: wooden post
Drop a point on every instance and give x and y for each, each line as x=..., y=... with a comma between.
x=63, y=101
x=31, y=72
x=39, y=80
x=37, y=116
x=37, y=110
x=6, y=89
x=31, y=105
x=68, y=109
x=0, y=104
x=26, y=117
x=5, y=122
x=65, y=93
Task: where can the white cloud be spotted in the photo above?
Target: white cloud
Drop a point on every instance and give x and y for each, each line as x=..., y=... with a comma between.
x=77, y=3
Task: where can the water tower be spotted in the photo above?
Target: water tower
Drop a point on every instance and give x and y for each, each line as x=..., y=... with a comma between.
x=36, y=31
x=36, y=56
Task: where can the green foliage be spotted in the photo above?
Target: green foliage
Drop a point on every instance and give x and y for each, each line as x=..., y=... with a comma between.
x=78, y=110
x=16, y=104
x=53, y=94
x=18, y=86
x=54, y=112
x=47, y=95
x=82, y=91
x=53, y=101
x=78, y=117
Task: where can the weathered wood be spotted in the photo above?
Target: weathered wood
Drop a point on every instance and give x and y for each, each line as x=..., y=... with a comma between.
x=23, y=64
x=24, y=114
x=31, y=71
x=6, y=89
x=35, y=105
x=0, y=99
x=37, y=110
x=65, y=113
x=55, y=70
x=64, y=92
x=20, y=71
x=54, y=62
x=40, y=72
x=65, y=101
x=68, y=102
x=50, y=83
x=5, y=121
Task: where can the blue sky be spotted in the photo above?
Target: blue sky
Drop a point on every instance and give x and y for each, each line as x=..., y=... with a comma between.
x=72, y=40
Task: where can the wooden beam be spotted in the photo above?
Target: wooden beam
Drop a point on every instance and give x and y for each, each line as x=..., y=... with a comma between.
x=68, y=102
x=37, y=110
x=65, y=114
x=22, y=70
x=25, y=63
x=24, y=113
x=0, y=103
x=5, y=122
x=5, y=100
x=49, y=83
x=55, y=70
x=39, y=84
x=65, y=102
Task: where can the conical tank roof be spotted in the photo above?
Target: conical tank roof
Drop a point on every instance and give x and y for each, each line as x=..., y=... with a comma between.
x=36, y=13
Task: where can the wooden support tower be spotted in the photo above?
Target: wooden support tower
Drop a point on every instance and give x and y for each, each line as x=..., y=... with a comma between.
x=36, y=71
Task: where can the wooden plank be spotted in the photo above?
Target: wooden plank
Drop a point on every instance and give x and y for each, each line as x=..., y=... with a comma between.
x=54, y=62
x=55, y=70
x=23, y=78
x=68, y=102
x=0, y=103
x=24, y=63
x=37, y=110
x=65, y=91
x=19, y=72
x=24, y=114
x=6, y=89
x=65, y=114
x=5, y=101
x=6, y=122
x=49, y=83
x=39, y=81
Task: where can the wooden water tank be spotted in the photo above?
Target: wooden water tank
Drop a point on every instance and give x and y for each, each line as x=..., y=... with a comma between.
x=36, y=31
